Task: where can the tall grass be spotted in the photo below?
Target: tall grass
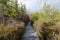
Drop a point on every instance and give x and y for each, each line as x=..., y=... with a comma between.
x=11, y=31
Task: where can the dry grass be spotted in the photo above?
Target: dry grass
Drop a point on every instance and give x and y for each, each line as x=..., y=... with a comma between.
x=11, y=31
x=49, y=30
x=38, y=28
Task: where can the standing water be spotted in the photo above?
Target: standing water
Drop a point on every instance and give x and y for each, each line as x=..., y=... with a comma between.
x=30, y=33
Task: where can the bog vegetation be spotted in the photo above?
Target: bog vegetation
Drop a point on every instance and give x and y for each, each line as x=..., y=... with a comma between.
x=46, y=22
x=13, y=19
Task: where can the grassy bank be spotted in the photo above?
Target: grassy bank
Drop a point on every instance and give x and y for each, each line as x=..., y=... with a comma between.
x=46, y=23
x=11, y=31
x=47, y=30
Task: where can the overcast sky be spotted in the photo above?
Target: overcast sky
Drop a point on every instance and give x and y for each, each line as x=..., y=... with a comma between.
x=34, y=5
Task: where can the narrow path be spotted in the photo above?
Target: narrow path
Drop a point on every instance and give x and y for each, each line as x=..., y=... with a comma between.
x=30, y=33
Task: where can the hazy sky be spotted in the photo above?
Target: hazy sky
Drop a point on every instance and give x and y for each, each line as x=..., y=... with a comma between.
x=33, y=5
